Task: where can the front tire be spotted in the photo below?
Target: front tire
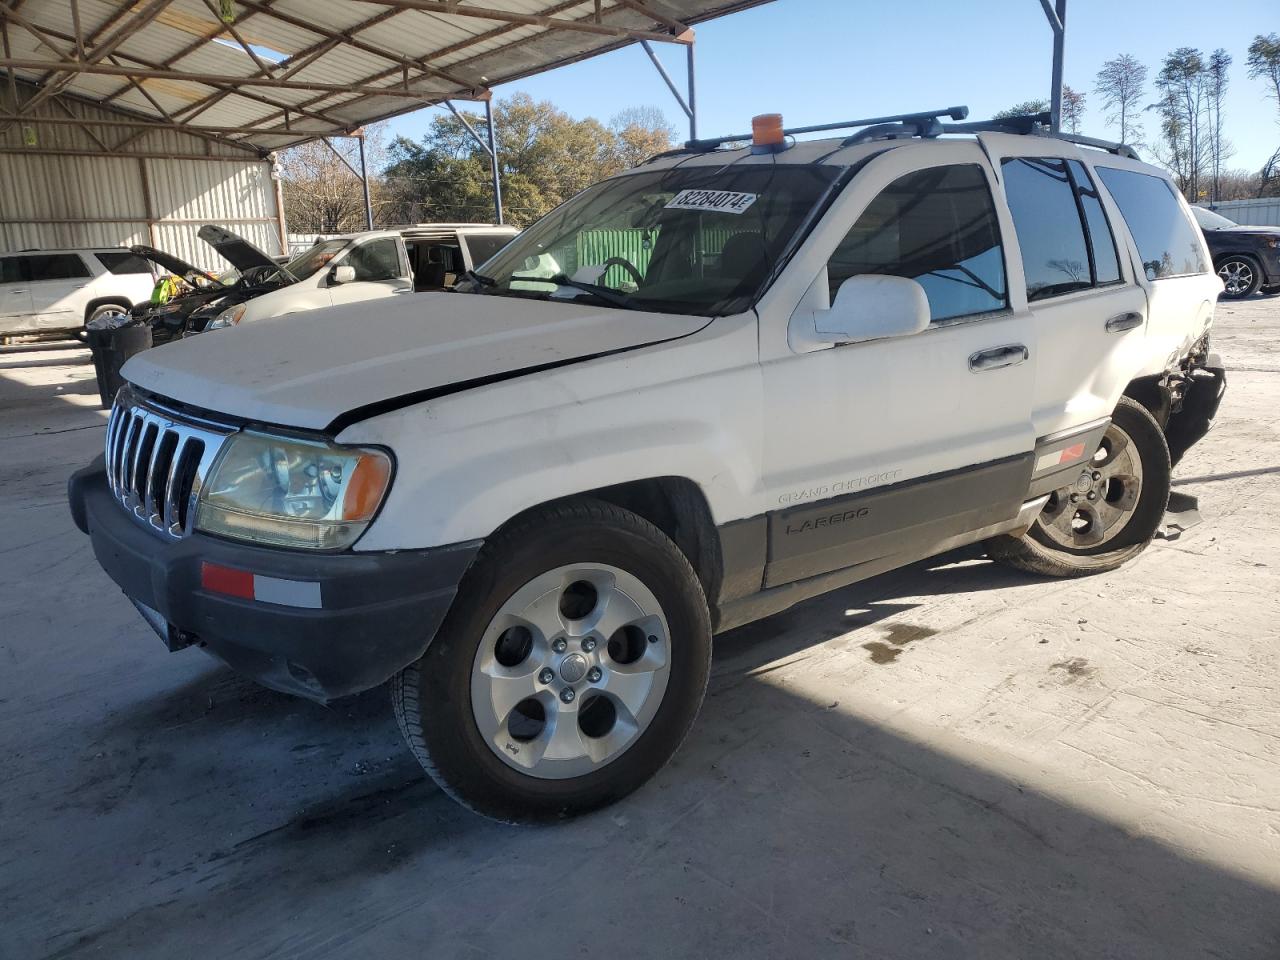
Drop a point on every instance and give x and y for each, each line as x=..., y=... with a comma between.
x=568, y=671
x=1109, y=515
x=1241, y=276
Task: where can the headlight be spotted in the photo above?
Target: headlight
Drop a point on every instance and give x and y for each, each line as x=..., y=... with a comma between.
x=292, y=493
x=228, y=317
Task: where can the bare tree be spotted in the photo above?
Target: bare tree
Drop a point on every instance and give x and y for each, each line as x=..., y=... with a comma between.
x=1264, y=63
x=1120, y=83
x=1072, y=109
x=1216, y=90
x=1182, y=82
x=322, y=193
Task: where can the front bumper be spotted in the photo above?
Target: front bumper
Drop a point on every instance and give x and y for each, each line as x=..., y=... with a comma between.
x=364, y=616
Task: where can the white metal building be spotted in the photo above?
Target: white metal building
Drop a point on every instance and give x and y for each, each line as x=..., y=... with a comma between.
x=1263, y=212
x=60, y=186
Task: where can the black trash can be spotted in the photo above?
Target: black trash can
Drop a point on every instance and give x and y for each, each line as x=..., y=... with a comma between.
x=111, y=347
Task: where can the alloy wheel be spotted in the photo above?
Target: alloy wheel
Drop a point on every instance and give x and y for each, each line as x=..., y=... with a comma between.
x=1237, y=276
x=571, y=670
x=1095, y=508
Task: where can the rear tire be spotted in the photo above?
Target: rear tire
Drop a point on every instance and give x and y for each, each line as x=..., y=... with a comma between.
x=580, y=611
x=1094, y=534
x=105, y=310
x=1241, y=275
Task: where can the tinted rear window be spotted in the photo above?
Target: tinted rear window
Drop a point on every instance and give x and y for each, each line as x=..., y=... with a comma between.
x=10, y=269
x=55, y=266
x=124, y=262
x=484, y=246
x=1042, y=200
x=1105, y=260
x=1167, y=242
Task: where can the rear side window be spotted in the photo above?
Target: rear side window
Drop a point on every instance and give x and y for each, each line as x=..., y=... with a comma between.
x=938, y=227
x=1055, y=255
x=1102, y=243
x=1062, y=229
x=10, y=269
x=124, y=262
x=482, y=246
x=1168, y=244
x=55, y=266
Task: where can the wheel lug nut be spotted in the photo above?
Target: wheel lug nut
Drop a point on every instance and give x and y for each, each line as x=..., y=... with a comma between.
x=588, y=644
x=560, y=646
x=1075, y=498
x=1096, y=476
x=567, y=694
x=1092, y=495
x=594, y=675
x=547, y=675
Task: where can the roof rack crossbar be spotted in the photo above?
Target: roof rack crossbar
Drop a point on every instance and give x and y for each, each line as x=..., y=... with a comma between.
x=955, y=113
x=1037, y=124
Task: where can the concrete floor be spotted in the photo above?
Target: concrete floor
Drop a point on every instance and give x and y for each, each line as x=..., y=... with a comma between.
x=949, y=761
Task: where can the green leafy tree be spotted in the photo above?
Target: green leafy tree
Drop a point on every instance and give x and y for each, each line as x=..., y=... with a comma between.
x=545, y=158
x=1023, y=109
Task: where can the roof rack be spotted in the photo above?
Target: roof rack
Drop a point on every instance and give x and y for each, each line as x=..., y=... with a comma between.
x=926, y=124
x=922, y=119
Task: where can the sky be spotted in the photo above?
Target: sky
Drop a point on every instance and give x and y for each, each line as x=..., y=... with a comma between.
x=817, y=61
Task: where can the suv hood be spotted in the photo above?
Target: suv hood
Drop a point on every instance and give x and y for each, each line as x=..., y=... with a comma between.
x=241, y=254
x=311, y=369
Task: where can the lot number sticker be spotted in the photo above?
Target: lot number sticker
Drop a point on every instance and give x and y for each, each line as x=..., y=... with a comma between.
x=719, y=201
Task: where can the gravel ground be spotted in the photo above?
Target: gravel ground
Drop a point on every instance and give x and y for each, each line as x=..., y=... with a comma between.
x=948, y=761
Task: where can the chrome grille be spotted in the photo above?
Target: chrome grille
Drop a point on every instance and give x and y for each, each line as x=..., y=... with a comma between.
x=158, y=461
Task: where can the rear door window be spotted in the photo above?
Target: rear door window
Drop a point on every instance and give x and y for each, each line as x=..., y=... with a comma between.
x=938, y=227
x=1042, y=200
x=10, y=269
x=1102, y=243
x=482, y=246
x=55, y=266
x=124, y=262
x=1167, y=242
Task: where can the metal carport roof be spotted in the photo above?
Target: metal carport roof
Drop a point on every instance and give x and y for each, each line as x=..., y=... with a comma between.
x=267, y=74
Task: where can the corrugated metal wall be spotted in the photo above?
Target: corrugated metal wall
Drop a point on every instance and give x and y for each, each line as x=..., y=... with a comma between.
x=89, y=197
x=1260, y=213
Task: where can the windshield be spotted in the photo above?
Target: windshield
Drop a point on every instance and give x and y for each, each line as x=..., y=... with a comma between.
x=315, y=259
x=1209, y=220
x=700, y=241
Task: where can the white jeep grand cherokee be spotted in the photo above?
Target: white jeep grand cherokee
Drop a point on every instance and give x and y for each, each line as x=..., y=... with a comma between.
x=697, y=393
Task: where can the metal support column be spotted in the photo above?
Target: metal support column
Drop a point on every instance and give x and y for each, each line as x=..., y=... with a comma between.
x=1057, y=17
x=690, y=105
x=493, y=161
x=693, y=95
x=364, y=181
x=489, y=145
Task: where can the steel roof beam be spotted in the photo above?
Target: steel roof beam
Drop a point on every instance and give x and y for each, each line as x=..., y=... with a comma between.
x=76, y=67
x=451, y=8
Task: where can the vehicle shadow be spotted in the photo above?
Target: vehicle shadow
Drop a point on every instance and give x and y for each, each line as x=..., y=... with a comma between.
x=784, y=827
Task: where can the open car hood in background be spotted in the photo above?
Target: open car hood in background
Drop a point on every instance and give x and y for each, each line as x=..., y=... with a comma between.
x=238, y=251
x=175, y=265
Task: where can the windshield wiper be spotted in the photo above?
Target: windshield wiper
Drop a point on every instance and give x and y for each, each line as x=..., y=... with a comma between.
x=611, y=297
x=479, y=278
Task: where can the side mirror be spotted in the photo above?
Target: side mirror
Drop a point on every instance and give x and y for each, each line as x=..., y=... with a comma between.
x=343, y=273
x=867, y=307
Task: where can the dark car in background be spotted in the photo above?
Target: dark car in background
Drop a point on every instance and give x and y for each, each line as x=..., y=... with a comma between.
x=1246, y=258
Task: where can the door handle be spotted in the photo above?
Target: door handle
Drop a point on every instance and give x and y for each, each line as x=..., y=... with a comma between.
x=993, y=359
x=1124, y=321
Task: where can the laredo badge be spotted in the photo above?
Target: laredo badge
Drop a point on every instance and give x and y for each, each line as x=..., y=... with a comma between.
x=718, y=201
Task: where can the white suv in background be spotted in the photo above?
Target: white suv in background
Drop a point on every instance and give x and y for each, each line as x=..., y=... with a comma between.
x=43, y=291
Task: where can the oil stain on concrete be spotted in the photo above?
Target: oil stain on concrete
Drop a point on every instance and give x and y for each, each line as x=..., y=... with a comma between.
x=897, y=636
